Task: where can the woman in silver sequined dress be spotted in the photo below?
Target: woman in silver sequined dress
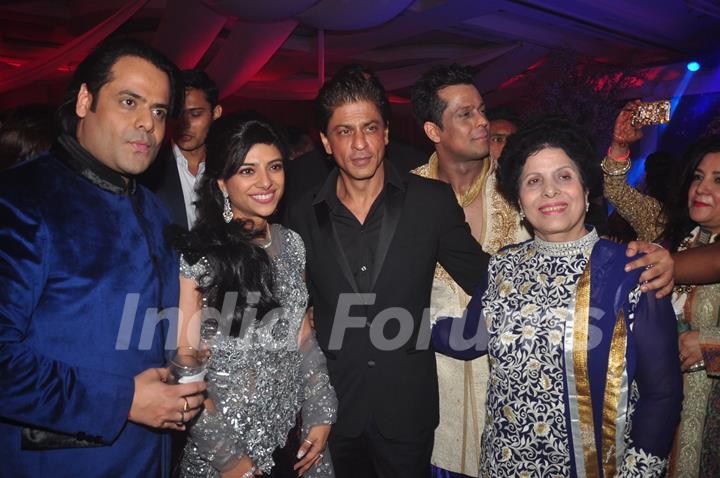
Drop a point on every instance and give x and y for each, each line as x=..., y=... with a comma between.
x=243, y=295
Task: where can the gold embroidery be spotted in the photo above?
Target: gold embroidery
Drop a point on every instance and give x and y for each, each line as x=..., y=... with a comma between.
x=584, y=401
x=611, y=402
x=466, y=198
x=505, y=227
x=644, y=213
x=504, y=220
x=509, y=234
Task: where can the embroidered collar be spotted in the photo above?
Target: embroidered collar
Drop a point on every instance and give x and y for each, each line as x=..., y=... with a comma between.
x=571, y=248
x=468, y=197
x=77, y=158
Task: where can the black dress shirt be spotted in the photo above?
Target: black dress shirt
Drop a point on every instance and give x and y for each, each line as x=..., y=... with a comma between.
x=359, y=241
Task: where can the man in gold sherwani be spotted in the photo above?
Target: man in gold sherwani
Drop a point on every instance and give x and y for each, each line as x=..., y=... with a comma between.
x=451, y=111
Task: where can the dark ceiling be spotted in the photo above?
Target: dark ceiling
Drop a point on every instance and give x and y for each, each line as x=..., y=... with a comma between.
x=505, y=40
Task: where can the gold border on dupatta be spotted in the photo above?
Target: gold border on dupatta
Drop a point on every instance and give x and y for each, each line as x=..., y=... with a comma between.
x=613, y=386
x=582, y=379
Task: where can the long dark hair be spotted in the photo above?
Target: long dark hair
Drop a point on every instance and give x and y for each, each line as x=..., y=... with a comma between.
x=679, y=223
x=236, y=263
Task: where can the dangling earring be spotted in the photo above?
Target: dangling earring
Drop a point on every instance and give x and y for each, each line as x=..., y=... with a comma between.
x=522, y=215
x=587, y=205
x=227, y=210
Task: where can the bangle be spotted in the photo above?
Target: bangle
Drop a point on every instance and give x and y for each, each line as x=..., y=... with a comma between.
x=611, y=170
x=624, y=157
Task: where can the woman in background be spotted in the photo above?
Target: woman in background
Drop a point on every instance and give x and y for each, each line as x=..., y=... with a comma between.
x=693, y=220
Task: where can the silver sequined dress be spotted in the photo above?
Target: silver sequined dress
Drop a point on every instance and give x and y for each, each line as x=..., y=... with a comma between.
x=261, y=379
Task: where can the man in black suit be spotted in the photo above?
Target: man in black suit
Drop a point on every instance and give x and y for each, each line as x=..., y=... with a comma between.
x=180, y=165
x=373, y=238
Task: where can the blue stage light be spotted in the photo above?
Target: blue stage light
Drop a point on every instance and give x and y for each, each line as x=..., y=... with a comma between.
x=693, y=66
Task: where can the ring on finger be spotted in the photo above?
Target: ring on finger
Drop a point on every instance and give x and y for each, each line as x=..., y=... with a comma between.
x=186, y=405
x=182, y=417
x=308, y=442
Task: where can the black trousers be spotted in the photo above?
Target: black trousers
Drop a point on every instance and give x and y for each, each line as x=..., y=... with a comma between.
x=371, y=455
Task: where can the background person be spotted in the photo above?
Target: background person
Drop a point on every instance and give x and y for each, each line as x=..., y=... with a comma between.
x=25, y=132
x=175, y=174
x=693, y=220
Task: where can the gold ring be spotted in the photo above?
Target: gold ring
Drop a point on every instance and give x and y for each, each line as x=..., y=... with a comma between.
x=182, y=417
x=308, y=442
x=186, y=406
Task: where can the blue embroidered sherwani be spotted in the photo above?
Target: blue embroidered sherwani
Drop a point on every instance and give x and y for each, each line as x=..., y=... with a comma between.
x=76, y=249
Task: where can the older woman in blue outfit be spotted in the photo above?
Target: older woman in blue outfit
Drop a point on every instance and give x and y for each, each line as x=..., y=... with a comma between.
x=584, y=374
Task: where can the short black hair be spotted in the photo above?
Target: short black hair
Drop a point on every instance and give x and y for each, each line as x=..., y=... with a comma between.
x=26, y=132
x=353, y=83
x=546, y=132
x=95, y=71
x=199, y=80
x=426, y=103
x=506, y=114
x=679, y=224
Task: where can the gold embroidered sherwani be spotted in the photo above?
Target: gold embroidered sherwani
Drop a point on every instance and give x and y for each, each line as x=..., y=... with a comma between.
x=462, y=385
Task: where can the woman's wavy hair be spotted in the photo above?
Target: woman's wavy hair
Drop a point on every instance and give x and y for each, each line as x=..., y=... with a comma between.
x=547, y=132
x=237, y=264
x=677, y=213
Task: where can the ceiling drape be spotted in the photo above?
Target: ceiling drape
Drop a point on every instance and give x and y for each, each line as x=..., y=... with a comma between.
x=72, y=52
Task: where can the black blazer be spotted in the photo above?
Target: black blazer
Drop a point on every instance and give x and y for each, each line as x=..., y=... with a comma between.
x=163, y=179
x=422, y=225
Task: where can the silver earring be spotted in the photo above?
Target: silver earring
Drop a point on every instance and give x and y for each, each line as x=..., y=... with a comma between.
x=587, y=206
x=522, y=215
x=227, y=210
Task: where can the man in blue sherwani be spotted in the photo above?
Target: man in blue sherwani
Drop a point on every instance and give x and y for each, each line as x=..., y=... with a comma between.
x=83, y=271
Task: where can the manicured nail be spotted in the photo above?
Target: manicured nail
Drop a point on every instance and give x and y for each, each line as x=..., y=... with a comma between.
x=301, y=453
